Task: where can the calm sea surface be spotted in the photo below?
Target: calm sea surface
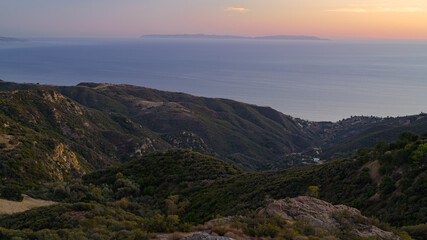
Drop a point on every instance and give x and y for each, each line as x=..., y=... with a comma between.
x=314, y=80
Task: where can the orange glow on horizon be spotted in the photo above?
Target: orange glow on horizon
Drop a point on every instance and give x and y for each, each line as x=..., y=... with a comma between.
x=378, y=23
x=131, y=18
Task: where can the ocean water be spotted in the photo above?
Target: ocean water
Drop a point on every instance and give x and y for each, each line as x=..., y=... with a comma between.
x=313, y=80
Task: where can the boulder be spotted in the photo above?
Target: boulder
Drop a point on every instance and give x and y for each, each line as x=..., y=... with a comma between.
x=326, y=216
x=205, y=236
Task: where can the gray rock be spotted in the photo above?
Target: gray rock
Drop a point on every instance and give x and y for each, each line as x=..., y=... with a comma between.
x=325, y=216
x=205, y=236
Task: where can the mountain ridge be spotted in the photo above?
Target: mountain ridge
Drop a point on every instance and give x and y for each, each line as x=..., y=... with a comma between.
x=203, y=124
x=253, y=137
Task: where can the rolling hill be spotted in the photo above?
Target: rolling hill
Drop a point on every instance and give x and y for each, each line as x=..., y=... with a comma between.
x=252, y=137
x=46, y=136
x=388, y=181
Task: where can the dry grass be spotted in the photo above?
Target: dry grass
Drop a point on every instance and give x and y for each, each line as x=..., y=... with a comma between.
x=10, y=207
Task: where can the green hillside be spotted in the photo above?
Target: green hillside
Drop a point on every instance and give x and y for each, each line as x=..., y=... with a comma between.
x=368, y=131
x=47, y=136
x=164, y=192
x=163, y=174
x=252, y=137
x=388, y=181
x=128, y=161
x=74, y=221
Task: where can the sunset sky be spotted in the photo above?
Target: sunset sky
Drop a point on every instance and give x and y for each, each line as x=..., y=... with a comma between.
x=131, y=18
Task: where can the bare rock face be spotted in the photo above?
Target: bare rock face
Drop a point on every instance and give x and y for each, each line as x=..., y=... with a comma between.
x=325, y=216
x=205, y=236
x=303, y=207
x=63, y=163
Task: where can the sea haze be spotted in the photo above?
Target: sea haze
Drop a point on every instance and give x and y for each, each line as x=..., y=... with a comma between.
x=314, y=80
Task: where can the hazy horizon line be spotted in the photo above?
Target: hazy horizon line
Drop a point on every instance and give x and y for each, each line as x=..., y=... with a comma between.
x=243, y=37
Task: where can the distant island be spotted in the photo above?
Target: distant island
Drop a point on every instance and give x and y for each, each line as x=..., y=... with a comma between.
x=11, y=39
x=206, y=36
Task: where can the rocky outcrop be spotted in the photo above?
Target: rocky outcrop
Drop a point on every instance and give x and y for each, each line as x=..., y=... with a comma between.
x=205, y=236
x=326, y=216
x=63, y=163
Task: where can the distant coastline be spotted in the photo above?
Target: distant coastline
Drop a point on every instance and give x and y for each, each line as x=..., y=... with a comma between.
x=11, y=39
x=206, y=36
